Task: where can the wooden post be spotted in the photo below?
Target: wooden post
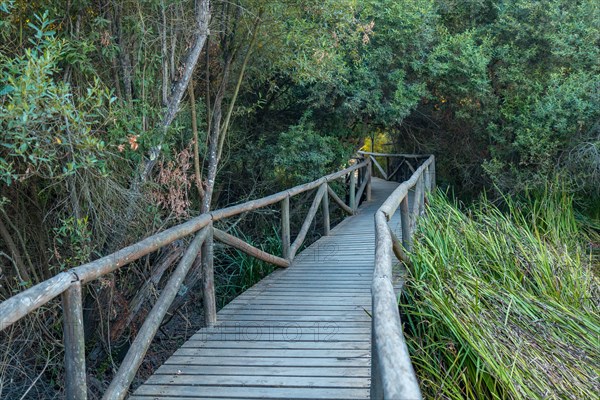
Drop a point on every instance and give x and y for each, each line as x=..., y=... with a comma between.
x=422, y=192
x=352, y=191
x=325, y=208
x=208, y=280
x=75, y=385
x=285, y=227
x=370, y=175
x=360, y=179
x=361, y=189
x=376, y=382
x=388, y=161
x=416, y=203
x=405, y=221
x=432, y=171
x=427, y=176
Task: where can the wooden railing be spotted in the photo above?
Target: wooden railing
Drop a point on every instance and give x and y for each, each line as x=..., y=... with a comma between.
x=69, y=284
x=392, y=374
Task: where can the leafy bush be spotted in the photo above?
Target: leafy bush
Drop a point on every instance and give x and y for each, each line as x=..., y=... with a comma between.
x=48, y=132
x=303, y=155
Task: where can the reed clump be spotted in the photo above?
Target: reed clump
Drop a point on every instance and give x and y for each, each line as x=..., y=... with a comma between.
x=503, y=304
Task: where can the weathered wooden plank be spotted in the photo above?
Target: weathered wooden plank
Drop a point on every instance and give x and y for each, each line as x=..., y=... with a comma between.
x=316, y=287
x=301, y=298
x=291, y=313
x=244, y=370
x=271, y=361
x=290, y=336
x=252, y=392
x=259, y=380
x=293, y=318
x=293, y=306
x=272, y=353
x=279, y=345
x=324, y=330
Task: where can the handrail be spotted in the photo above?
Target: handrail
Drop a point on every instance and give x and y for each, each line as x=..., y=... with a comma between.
x=392, y=374
x=69, y=283
x=14, y=308
x=398, y=155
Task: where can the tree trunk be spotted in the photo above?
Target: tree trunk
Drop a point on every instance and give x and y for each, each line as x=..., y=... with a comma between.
x=197, y=173
x=13, y=250
x=202, y=32
x=237, y=88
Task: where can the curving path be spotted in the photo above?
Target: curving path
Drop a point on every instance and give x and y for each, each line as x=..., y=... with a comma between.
x=301, y=333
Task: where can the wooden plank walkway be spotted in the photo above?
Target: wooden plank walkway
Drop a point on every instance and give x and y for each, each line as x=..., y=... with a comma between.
x=300, y=333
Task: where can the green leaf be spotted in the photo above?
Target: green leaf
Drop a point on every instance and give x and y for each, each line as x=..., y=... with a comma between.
x=6, y=90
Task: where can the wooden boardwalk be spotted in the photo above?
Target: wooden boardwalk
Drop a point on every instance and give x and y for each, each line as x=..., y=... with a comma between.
x=300, y=333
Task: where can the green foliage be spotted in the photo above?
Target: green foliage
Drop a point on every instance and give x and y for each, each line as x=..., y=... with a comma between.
x=502, y=305
x=303, y=155
x=48, y=131
x=383, y=85
x=458, y=66
x=74, y=239
x=511, y=91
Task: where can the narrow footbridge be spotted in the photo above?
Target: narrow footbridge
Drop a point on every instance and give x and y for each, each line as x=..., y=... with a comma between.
x=323, y=326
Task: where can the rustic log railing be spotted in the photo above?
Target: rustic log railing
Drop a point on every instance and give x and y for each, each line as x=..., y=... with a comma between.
x=69, y=284
x=392, y=374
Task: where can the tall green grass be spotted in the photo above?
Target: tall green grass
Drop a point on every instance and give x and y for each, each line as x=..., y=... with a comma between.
x=503, y=305
x=238, y=271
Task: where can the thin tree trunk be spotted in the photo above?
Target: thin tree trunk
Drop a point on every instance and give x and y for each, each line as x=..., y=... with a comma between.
x=202, y=21
x=124, y=61
x=173, y=48
x=197, y=173
x=13, y=250
x=208, y=102
x=237, y=88
x=164, y=55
